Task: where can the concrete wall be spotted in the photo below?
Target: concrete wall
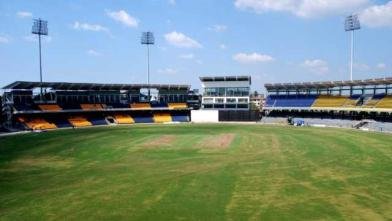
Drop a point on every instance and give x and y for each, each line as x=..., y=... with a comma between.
x=205, y=116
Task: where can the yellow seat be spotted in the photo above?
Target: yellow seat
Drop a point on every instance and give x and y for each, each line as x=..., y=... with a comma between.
x=49, y=107
x=162, y=118
x=330, y=101
x=350, y=103
x=91, y=106
x=37, y=123
x=385, y=102
x=79, y=121
x=177, y=105
x=371, y=103
x=140, y=106
x=124, y=119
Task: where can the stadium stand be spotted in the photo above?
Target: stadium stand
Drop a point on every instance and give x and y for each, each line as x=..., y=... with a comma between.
x=92, y=106
x=158, y=105
x=180, y=117
x=79, y=121
x=290, y=100
x=87, y=104
x=61, y=122
x=49, y=107
x=372, y=101
x=162, y=118
x=140, y=106
x=350, y=100
x=37, y=123
x=385, y=102
x=142, y=118
x=124, y=119
x=177, y=105
x=97, y=120
x=330, y=101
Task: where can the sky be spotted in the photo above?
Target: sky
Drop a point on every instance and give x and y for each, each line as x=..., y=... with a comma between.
x=274, y=41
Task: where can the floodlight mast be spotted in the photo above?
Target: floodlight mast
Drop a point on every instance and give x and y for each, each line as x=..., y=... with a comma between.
x=351, y=24
x=148, y=39
x=40, y=27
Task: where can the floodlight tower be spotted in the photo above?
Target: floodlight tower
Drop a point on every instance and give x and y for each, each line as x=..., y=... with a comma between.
x=148, y=39
x=351, y=24
x=40, y=27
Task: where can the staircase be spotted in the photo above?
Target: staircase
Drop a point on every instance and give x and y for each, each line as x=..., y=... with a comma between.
x=363, y=124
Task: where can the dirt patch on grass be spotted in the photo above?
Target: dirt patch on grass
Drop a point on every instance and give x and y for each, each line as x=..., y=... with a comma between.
x=164, y=140
x=28, y=163
x=221, y=141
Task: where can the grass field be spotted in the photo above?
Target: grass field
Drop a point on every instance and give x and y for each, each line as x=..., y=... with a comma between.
x=196, y=172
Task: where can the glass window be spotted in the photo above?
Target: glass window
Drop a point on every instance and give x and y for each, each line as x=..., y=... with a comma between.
x=231, y=106
x=219, y=105
x=243, y=100
x=242, y=91
x=210, y=92
x=219, y=100
x=230, y=91
x=231, y=100
x=208, y=100
x=221, y=91
x=242, y=106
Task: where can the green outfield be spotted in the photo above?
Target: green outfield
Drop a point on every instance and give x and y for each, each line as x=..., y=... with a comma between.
x=196, y=172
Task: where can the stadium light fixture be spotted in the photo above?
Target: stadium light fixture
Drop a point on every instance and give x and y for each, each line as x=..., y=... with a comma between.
x=148, y=39
x=351, y=24
x=40, y=27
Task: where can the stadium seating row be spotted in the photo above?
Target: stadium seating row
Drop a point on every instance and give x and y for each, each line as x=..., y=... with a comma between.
x=315, y=101
x=136, y=106
x=49, y=107
x=41, y=123
x=37, y=123
x=385, y=102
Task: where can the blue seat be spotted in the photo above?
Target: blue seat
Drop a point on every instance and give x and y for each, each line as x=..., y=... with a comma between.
x=70, y=106
x=158, y=105
x=355, y=96
x=378, y=96
x=118, y=105
x=61, y=123
x=180, y=118
x=290, y=100
x=24, y=107
x=142, y=118
x=97, y=121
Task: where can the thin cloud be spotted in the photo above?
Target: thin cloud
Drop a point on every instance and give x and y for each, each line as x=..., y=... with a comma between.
x=245, y=58
x=94, y=53
x=124, y=18
x=303, y=8
x=82, y=26
x=169, y=71
x=4, y=40
x=218, y=28
x=316, y=66
x=89, y=27
x=24, y=14
x=381, y=66
x=180, y=40
x=187, y=56
x=377, y=16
